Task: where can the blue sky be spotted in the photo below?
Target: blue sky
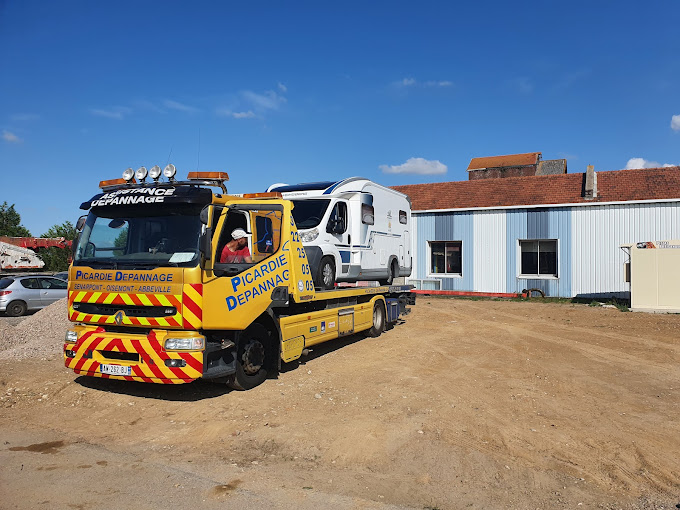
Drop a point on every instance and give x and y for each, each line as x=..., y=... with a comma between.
x=399, y=92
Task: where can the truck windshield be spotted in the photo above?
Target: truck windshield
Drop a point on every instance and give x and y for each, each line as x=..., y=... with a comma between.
x=309, y=213
x=140, y=237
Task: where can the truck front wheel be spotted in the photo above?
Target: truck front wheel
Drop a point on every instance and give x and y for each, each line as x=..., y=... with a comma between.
x=253, y=358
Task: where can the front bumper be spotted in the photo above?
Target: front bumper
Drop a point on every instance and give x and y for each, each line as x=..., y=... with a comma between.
x=145, y=356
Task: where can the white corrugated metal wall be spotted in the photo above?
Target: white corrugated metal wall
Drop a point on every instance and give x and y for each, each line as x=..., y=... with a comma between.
x=599, y=231
x=489, y=242
x=592, y=264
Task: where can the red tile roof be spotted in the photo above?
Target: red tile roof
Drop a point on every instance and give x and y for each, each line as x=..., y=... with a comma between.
x=530, y=158
x=612, y=186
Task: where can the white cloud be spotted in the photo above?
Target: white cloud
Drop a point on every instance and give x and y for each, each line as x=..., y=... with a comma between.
x=226, y=112
x=413, y=83
x=282, y=87
x=143, y=104
x=269, y=100
x=117, y=112
x=675, y=123
x=243, y=115
x=442, y=83
x=10, y=137
x=636, y=163
x=416, y=166
x=180, y=107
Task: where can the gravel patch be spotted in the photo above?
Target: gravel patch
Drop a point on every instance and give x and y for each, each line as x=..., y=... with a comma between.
x=40, y=335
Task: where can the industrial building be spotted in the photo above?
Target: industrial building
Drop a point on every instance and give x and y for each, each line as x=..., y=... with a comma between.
x=521, y=223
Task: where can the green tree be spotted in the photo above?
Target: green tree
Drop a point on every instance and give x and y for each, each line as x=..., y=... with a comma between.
x=121, y=242
x=56, y=259
x=10, y=222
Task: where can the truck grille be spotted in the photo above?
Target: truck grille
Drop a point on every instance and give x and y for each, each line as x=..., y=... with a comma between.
x=120, y=356
x=130, y=310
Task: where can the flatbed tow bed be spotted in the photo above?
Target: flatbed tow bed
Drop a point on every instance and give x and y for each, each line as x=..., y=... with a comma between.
x=171, y=311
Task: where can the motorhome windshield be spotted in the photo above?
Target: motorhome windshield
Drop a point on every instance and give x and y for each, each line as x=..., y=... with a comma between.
x=308, y=213
x=140, y=237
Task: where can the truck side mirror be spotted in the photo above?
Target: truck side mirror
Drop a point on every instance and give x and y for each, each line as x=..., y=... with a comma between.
x=205, y=244
x=81, y=223
x=205, y=240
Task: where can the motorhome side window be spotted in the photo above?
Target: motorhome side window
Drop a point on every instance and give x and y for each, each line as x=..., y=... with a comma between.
x=367, y=214
x=337, y=222
x=403, y=217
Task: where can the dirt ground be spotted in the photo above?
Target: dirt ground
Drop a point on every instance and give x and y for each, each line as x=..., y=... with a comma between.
x=468, y=404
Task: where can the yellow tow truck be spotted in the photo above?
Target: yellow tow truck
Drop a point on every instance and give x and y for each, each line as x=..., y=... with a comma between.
x=156, y=297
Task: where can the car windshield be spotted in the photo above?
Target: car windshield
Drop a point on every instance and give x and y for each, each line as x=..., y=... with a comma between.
x=308, y=213
x=6, y=282
x=140, y=237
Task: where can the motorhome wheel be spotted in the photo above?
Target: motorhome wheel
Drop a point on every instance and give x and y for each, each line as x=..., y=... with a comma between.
x=326, y=273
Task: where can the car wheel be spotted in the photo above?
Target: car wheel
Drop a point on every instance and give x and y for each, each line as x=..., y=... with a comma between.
x=16, y=309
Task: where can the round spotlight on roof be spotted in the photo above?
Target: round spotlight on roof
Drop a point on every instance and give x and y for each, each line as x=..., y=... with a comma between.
x=155, y=172
x=141, y=173
x=129, y=174
x=170, y=171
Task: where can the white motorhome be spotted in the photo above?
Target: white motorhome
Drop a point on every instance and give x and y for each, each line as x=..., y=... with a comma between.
x=353, y=230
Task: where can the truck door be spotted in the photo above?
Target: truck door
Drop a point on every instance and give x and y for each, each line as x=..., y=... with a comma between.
x=240, y=289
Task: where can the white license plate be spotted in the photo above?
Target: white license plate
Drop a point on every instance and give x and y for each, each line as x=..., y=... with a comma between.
x=115, y=370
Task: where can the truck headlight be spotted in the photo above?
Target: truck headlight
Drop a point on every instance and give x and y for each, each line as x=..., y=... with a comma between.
x=71, y=337
x=196, y=343
x=309, y=235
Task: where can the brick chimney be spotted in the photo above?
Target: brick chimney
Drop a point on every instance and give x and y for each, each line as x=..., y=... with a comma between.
x=590, y=187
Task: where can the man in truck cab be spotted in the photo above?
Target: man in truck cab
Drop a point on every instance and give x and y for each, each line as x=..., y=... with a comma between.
x=236, y=251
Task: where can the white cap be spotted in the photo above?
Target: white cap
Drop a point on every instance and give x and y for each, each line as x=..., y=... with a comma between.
x=238, y=233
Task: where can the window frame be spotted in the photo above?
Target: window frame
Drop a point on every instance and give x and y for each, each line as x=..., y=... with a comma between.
x=367, y=213
x=50, y=280
x=432, y=274
x=538, y=276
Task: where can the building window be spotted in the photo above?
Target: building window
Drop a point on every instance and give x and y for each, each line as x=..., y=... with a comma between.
x=539, y=258
x=446, y=257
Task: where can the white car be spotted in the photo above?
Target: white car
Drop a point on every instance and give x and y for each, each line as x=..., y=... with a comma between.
x=19, y=294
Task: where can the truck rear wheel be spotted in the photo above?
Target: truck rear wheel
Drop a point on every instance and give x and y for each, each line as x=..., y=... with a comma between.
x=253, y=358
x=378, y=320
x=16, y=309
